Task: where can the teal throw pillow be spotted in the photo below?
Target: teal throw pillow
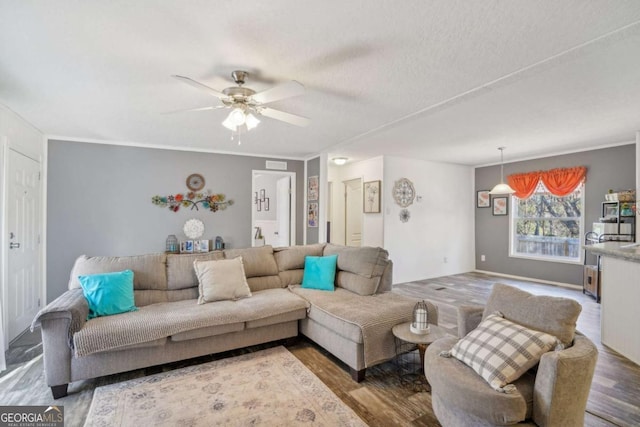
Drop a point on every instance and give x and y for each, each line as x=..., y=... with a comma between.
x=108, y=293
x=319, y=272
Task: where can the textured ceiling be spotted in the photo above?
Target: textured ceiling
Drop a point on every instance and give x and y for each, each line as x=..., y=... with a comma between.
x=441, y=80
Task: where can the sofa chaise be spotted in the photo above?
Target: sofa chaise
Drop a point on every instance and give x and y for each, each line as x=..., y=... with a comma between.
x=353, y=323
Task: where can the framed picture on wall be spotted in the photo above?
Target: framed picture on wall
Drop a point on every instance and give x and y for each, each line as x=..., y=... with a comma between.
x=312, y=215
x=312, y=188
x=371, y=197
x=483, y=199
x=500, y=206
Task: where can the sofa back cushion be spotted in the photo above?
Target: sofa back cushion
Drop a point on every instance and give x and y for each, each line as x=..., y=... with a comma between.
x=149, y=271
x=180, y=271
x=553, y=315
x=259, y=266
x=359, y=269
x=293, y=257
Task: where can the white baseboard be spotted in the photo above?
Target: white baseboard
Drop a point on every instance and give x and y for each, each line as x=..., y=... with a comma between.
x=531, y=279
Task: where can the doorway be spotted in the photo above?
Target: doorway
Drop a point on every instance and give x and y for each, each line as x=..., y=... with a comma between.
x=353, y=212
x=273, y=208
x=23, y=221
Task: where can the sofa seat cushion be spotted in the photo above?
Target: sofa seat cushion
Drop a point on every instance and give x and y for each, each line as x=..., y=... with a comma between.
x=208, y=331
x=459, y=386
x=168, y=319
x=366, y=319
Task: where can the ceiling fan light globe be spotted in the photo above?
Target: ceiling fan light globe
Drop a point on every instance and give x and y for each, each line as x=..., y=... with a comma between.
x=251, y=121
x=229, y=125
x=237, y=116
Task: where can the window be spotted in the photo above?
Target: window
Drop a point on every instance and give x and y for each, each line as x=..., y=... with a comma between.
x=548, y=227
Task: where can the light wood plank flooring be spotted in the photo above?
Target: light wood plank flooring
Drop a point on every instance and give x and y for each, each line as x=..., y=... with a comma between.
x=380, y=400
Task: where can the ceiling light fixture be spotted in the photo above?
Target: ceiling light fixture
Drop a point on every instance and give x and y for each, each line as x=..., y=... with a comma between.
x=502, y=188
x=340, y=160
x=239, y=118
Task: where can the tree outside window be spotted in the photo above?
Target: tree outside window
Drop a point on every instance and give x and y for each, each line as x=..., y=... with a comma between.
x=548, y=227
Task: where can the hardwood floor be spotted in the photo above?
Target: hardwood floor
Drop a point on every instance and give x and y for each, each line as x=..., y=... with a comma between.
x=380, y=400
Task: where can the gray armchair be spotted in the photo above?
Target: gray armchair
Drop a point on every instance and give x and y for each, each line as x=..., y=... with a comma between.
x=553, y=395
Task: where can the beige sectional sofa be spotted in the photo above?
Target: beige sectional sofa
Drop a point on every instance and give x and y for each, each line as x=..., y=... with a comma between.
x=353, y=323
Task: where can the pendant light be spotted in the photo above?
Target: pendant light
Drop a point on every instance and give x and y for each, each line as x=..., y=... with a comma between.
x=502, y=188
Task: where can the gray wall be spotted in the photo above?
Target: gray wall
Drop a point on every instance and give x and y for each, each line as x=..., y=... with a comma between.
x=313, y=169
x=99, y=201
x=606, y=168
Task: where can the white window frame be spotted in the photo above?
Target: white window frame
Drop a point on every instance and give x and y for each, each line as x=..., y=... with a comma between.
x=562, y=260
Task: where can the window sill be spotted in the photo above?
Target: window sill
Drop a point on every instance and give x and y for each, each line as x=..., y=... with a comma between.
x=575, y=261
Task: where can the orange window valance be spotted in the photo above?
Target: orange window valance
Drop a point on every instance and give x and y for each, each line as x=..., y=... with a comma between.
x=559, y=182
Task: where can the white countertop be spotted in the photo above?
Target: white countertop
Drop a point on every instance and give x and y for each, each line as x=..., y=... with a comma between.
x=624, y=250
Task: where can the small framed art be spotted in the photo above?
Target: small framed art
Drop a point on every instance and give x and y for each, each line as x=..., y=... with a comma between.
x=483, y=199
x=371, y=196
x=312, y=188
x=500, y=206
x=312, y=216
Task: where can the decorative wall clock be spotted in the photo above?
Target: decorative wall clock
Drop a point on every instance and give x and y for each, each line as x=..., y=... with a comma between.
x=404, y=192
x=193, y=228
x=195, y=182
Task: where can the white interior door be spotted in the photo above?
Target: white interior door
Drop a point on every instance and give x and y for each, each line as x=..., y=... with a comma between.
x=283, y=211
x=353, y=212
x=23, y=226
x=276, y=215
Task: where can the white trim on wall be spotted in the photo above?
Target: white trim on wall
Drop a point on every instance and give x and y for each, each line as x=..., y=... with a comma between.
x=557, y=153
x=166, y=147
x=530, y=279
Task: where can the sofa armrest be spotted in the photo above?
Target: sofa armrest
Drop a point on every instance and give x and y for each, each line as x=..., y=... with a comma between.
x=469, y=317
x=59, y=320
x=562, y=384
x=71, y=307
x=386, y=281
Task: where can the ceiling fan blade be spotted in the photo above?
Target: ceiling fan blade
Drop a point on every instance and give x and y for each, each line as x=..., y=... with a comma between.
x=194, y=109
x=200, y=86
x=281, y=91
x=285, y=117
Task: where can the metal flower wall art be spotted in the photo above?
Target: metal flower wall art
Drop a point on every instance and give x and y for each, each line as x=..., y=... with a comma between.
x=193, y=200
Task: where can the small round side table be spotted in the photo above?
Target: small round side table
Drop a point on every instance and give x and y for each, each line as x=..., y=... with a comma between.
x=411, y=365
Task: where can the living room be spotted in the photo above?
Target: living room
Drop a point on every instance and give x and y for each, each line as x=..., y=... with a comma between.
x=426, y=93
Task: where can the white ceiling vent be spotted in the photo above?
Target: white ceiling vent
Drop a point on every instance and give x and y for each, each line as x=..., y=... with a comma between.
x=281, y=166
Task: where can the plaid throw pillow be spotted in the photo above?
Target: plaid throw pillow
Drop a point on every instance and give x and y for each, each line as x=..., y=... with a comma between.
x=500, y=351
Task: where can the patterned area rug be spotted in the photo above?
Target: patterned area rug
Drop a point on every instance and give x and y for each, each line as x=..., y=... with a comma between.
x=270, y=387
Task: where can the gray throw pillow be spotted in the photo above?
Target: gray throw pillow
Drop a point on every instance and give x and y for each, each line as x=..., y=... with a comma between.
x=221, y=280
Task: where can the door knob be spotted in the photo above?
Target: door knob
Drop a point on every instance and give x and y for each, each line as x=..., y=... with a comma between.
x=13, y=245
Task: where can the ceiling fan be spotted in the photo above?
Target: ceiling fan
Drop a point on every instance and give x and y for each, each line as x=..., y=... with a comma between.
x=246, y=103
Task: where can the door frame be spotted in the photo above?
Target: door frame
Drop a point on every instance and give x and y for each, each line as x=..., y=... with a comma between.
x=5, y=145
x=344, y=204
x=292, y=219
